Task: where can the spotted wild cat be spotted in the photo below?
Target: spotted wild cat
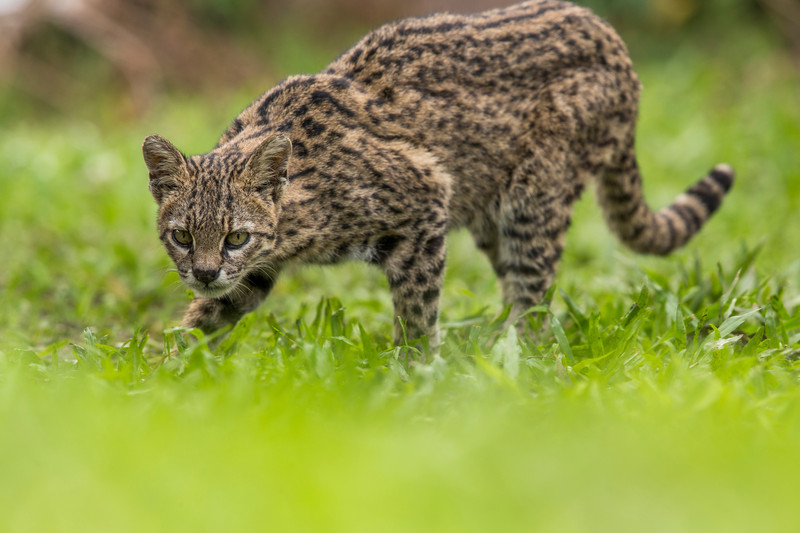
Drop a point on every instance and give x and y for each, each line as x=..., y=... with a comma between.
x=494, y=121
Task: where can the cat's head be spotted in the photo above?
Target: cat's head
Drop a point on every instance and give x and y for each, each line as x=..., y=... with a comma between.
x=217, y=212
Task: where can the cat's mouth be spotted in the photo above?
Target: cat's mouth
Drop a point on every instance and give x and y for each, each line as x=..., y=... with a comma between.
x=215, y=289
x=207, y=291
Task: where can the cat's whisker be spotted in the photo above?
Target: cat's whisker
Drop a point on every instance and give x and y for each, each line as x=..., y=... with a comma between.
x=239, y=290
x=176, y=286
x=268, y=269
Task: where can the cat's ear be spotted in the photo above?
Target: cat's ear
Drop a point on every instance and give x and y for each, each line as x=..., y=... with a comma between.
x=267, y=169
x=166, y=165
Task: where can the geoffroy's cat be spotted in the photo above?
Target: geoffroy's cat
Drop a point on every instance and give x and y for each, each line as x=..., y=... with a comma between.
x=494, y=122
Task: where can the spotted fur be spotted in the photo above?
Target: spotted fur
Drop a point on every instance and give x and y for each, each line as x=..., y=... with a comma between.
x=494, y=122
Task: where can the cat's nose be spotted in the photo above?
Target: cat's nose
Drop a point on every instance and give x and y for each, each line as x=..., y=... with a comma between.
x=205, y=275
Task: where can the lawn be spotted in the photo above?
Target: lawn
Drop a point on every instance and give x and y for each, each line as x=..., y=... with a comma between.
x=662, y=395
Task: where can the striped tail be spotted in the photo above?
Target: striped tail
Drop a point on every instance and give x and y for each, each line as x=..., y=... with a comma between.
x=660, y=232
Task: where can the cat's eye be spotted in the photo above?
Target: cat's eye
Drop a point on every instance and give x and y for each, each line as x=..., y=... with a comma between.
x=236, y=239
x=182, y=237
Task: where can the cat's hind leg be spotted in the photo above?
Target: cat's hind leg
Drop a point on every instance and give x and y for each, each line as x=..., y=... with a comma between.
x=533, y=216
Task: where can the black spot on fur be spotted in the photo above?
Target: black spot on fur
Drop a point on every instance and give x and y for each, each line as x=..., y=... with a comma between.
x=385, y=246
x=430, y=295
x=312, y=127
x=434, y=244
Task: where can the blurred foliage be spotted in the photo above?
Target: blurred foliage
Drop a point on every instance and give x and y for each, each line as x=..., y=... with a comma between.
x=75, y=57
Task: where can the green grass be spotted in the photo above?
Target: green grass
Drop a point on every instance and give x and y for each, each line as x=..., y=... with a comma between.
x=662, y=396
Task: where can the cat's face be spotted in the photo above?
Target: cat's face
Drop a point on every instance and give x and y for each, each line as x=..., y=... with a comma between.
x=217, y=213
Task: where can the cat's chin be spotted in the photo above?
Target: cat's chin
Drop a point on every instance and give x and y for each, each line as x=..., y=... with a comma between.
x=212, y=291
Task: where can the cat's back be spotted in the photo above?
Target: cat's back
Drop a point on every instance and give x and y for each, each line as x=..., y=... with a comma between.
x=519, y=46
x=446, y=76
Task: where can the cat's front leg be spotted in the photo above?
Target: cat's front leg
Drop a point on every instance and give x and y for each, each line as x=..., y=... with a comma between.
x=414, y=267
x=212, y=314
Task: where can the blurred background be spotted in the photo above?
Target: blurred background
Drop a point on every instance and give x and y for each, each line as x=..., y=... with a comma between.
x=65, y=57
